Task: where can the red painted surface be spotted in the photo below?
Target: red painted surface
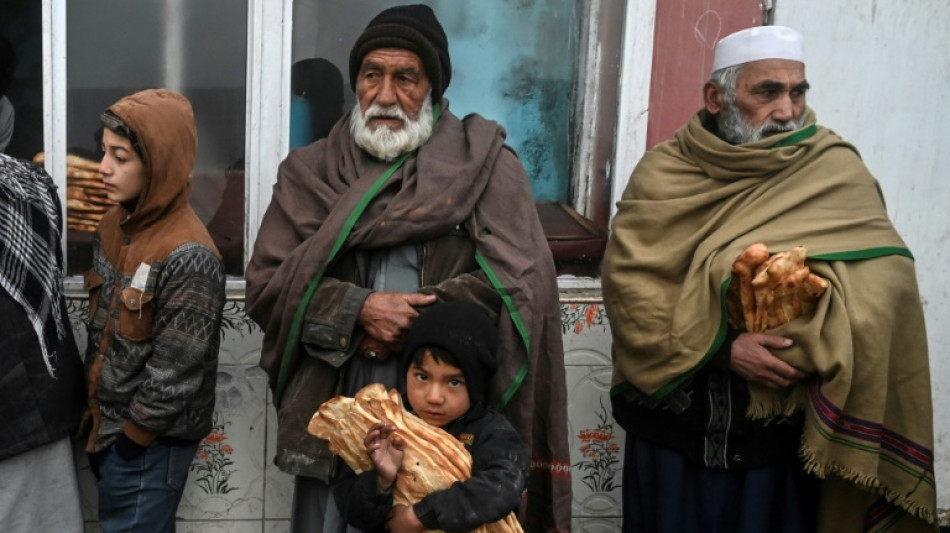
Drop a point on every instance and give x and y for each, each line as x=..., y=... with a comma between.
x=683, y=44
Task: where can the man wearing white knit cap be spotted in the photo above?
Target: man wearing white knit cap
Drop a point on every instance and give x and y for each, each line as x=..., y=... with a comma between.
x=819, y=422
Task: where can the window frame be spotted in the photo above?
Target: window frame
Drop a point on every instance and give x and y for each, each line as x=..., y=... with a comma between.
x=267, y=125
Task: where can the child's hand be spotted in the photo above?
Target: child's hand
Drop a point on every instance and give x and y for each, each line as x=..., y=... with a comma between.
x=385, y=448
x=403, y=519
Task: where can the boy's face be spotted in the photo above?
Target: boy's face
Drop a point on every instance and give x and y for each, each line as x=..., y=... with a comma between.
x=437, y=391
x=121, y=167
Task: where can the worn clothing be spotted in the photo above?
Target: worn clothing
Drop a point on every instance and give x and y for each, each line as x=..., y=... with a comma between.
x=39, y=491
x=156, y=293
x=666, y=493
x=142, y=494
x=314, y=509
x=692, y=206
x=36, y=408
x=41, y=383
x=705, y=420
x=30, y=238
x=499, y=473
x=462, y=193
x=7, y=120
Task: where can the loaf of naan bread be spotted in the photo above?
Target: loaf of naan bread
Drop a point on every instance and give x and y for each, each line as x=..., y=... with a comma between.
x=768, y=291
x=86, y=198
x=432, y=460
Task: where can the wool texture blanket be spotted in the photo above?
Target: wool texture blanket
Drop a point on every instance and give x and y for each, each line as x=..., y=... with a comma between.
x=464, y=174
x=692, y=205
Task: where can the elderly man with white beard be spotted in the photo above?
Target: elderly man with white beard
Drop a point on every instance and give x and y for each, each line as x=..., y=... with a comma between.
x=401, y=206
x=819, y=424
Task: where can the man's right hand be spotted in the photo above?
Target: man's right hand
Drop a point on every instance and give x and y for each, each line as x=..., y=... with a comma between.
x=751, y=359
x=386, y=316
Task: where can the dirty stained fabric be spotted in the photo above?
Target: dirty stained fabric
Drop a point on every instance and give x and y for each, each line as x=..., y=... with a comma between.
x=463, y=175
x=692, y=206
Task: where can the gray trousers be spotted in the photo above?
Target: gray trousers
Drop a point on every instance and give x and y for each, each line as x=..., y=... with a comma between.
x=39, y=491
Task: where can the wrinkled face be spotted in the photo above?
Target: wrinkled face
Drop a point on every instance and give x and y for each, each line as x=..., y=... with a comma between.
x=392, y=77
x=437, y=391
x=122, y=169
x=769, y=98
x=393, y=114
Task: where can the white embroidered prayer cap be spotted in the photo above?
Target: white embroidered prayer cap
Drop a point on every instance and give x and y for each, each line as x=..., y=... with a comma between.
x=757, y=43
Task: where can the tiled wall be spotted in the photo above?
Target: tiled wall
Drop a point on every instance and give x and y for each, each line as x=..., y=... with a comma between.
x=233, y=486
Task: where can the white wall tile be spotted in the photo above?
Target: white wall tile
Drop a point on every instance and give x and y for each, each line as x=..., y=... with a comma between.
x=227, y=475
x=596, y=443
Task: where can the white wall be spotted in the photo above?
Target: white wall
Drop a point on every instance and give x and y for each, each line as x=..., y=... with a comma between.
x=879, y=72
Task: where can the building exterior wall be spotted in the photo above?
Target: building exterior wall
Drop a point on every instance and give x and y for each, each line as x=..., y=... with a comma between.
x=877, y=70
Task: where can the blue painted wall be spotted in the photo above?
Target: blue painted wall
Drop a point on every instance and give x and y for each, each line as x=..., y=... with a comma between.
x=512, y=62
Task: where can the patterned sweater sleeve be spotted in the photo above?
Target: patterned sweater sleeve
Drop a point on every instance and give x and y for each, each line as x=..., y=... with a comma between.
x=185, y=339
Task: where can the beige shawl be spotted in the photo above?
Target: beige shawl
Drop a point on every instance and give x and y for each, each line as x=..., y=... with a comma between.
x=692, y=205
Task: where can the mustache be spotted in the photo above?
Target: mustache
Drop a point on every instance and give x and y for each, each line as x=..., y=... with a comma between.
x=377, y=111
x=779, y=127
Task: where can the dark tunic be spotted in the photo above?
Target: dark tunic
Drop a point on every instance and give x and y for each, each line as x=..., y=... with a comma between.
x=499, y=474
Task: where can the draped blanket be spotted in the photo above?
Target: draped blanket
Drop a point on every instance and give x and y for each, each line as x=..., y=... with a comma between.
x=692, y=206
x=464, y=174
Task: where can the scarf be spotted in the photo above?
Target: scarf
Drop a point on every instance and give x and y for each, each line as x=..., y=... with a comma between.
x=30, y=254
x=692, y=206
x=7, y=117
x=461, y=175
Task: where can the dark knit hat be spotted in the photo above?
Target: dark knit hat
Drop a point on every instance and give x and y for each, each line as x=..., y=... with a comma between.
x=463, y=330
x=412, y=28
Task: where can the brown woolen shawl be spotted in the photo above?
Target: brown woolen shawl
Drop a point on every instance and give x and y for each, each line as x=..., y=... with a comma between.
x=692, y=205
x=463, y=174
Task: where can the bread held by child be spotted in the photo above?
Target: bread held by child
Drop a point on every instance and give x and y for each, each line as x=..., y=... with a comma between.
x=433, y=458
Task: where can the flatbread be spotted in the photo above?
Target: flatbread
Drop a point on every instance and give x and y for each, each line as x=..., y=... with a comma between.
x=72, y=160
x=770, y=291
x=432, y=459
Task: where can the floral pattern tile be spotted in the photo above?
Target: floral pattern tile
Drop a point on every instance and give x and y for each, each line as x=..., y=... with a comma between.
x=578, y=317
x=586, y=334
x=226, y=479
x=596, y=443
x=240, y=337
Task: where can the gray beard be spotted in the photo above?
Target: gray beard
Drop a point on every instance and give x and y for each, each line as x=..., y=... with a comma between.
x=734, y=129
x=383, y=143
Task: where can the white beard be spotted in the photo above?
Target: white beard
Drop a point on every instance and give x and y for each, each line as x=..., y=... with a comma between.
x=735, y=129
x=384, y=143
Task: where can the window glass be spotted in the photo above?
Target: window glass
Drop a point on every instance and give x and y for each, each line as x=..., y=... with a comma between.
x=116, y=48
x=513, y=62
x=21, y=73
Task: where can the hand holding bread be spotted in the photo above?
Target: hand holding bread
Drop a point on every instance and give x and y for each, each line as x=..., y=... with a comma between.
x=432, y=460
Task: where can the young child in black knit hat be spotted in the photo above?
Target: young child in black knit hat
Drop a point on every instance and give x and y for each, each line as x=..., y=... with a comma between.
x=448, y=361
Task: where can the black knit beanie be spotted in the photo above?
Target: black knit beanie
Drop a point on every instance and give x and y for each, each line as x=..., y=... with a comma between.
x=463, y=330
x=412, y=28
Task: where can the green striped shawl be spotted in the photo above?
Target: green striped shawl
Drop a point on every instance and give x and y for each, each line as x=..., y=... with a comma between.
x=693, y=204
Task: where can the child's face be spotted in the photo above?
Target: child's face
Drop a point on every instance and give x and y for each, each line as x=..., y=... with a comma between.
x=437, y=391
x=122, y=170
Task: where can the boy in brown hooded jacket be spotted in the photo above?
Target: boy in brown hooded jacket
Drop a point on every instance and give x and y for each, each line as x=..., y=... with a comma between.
x=156, y=293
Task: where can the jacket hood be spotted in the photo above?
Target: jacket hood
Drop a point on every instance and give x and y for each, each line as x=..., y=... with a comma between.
x=164, y=123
